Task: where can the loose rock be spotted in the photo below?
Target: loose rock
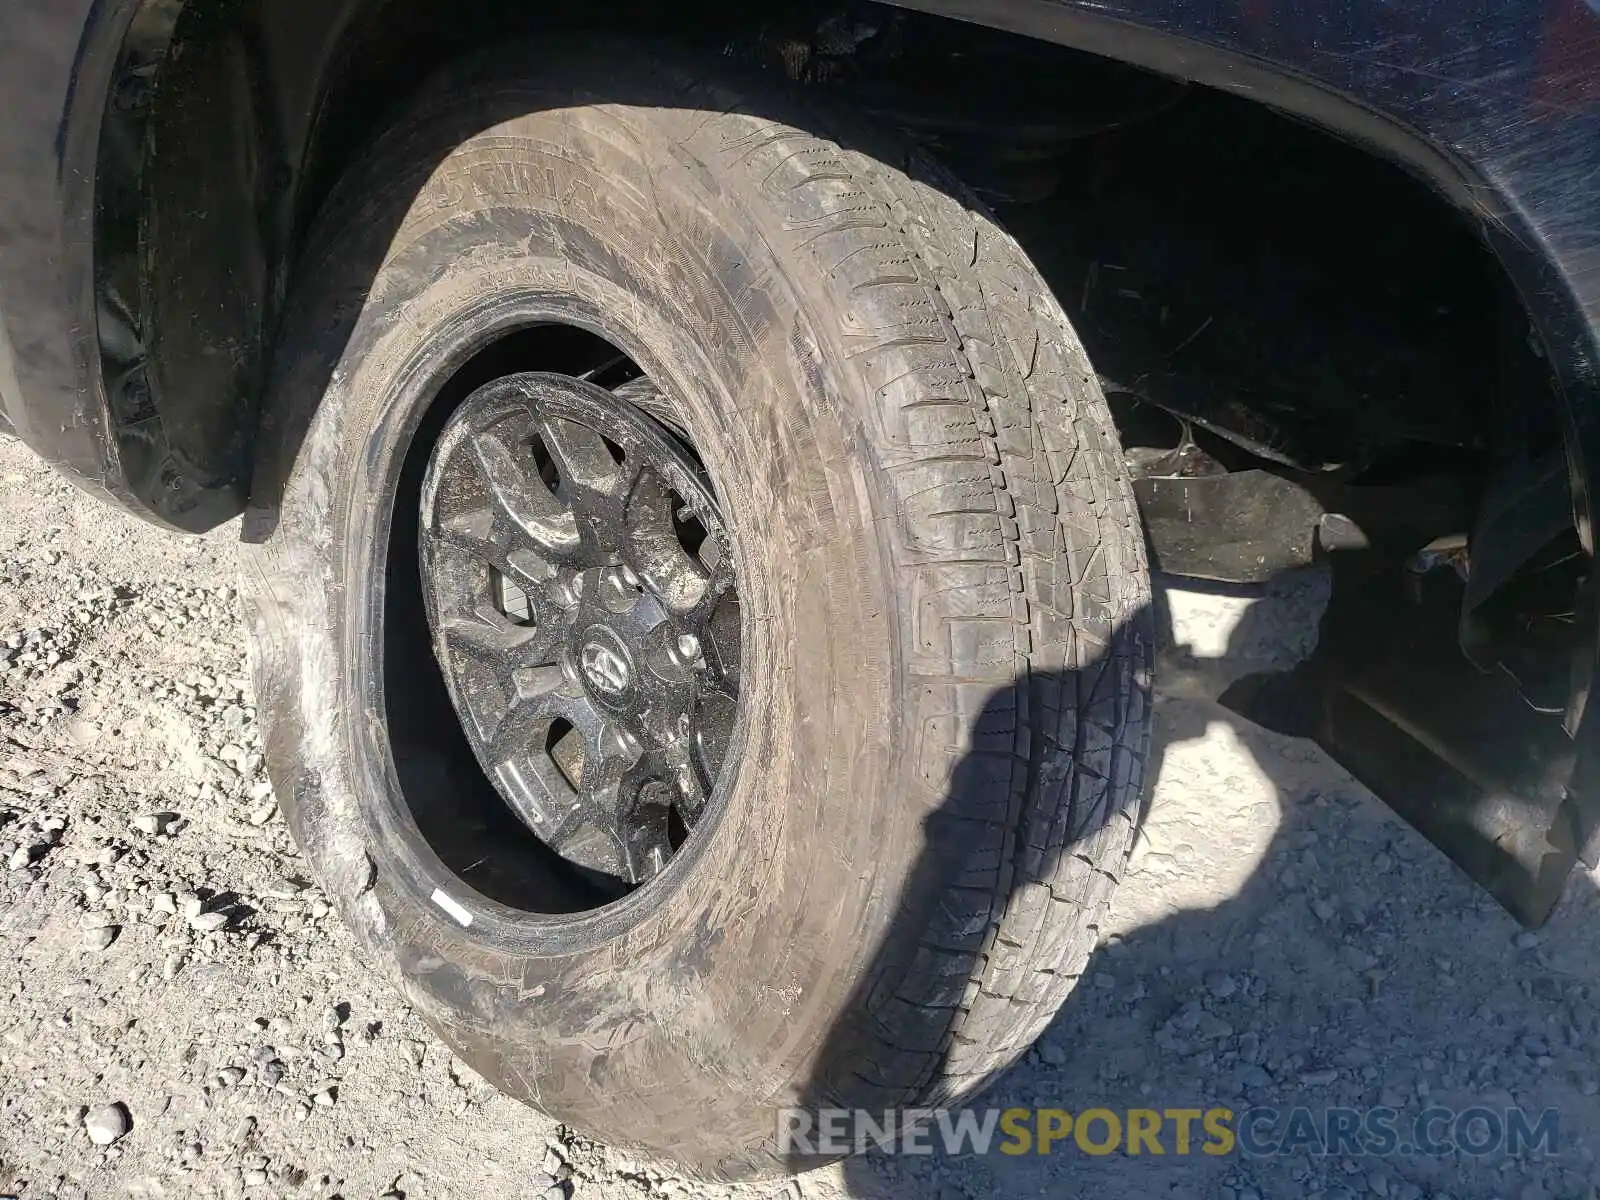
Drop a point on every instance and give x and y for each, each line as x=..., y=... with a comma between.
x=151, y=824
x=108, y=1124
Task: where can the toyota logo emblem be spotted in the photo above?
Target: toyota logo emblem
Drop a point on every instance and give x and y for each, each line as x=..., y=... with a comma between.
x=605, y=668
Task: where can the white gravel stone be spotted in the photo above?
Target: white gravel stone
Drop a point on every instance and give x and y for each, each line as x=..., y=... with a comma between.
x=108, y=1124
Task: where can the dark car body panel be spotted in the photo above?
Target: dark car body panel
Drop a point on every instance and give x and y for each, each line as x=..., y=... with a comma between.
x=56, y=62
x=77, y=327
x=1495, y=104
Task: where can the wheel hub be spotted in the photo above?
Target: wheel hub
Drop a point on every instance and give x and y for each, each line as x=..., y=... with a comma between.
x=583, y=610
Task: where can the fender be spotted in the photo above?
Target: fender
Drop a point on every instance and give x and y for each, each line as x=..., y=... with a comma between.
x=77, y=86
x=1496, y=106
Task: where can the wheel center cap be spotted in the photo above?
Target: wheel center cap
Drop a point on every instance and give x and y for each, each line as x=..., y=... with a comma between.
x=605, y=662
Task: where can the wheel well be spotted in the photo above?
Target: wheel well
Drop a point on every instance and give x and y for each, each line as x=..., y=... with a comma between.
x=1297, y=300
x=1291, y=304
x=1358, y=287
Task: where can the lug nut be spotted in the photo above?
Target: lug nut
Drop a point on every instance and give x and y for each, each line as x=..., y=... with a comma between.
x=625, y=744
x=619, y=589
x=688, y=647
x=568, y=589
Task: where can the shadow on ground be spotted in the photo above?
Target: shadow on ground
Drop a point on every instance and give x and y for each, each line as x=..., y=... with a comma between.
x=1283, y=940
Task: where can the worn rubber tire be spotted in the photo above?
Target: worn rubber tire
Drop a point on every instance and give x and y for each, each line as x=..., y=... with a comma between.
x=946, y=599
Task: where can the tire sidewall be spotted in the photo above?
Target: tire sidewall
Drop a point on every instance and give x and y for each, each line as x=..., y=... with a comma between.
x=738, y=965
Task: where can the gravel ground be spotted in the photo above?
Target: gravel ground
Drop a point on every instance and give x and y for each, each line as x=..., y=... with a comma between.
x=181, y=1015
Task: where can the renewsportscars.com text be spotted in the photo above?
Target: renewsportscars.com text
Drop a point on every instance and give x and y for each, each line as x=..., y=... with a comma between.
x=1254, y=1132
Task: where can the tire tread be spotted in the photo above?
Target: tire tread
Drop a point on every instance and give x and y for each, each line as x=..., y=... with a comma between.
x=1018, y=473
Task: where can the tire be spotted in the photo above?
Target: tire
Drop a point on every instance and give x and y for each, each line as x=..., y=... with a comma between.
x=939, y=766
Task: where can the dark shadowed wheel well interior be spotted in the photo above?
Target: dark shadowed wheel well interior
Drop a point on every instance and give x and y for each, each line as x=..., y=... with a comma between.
x=453, y=804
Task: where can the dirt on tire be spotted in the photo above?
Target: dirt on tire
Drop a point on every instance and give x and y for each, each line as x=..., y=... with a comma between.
x=947, y=615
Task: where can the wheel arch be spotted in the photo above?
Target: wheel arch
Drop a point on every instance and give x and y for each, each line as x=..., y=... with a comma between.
x=1511, y=155
x=195, y=228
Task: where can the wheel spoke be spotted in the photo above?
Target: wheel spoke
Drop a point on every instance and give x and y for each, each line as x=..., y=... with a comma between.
x=529, y=569
x=715, y=619
x=536, y=683
x=713, y=731
x=487, y=635
x=490, y=602
x=659, y=557
x=648, y=843
x=595, y=848
x=544, y=800
x=604, y=798
x=523, y=496
x=534, y=701
x=476, y=531
x=584, y=458
x=691, y=792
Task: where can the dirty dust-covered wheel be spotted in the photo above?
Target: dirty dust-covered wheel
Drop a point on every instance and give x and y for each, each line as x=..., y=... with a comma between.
x=699, y=613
